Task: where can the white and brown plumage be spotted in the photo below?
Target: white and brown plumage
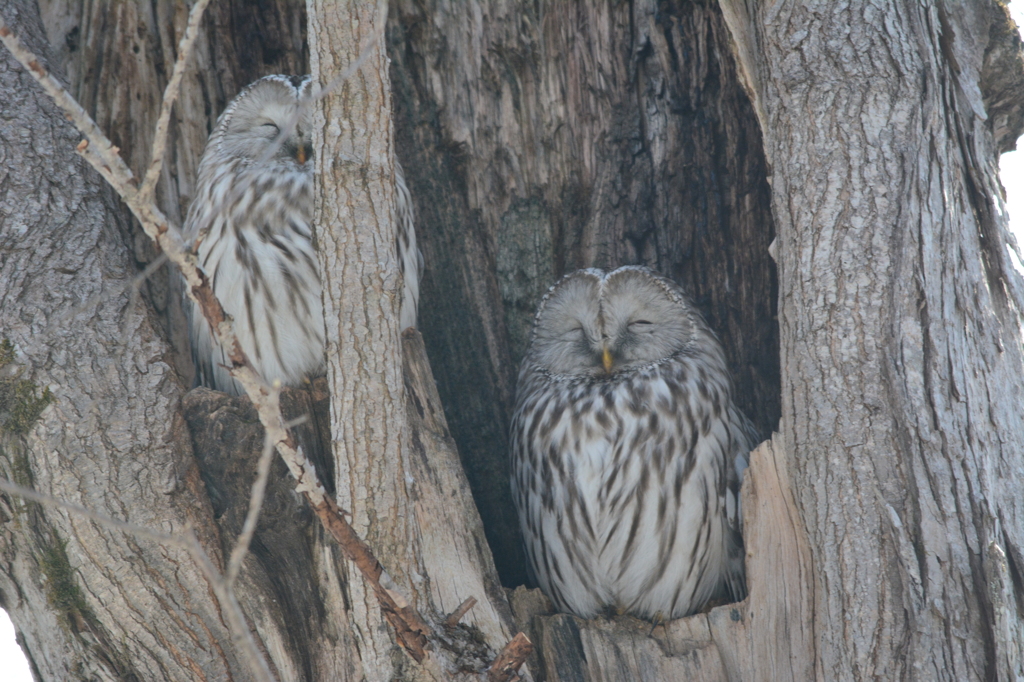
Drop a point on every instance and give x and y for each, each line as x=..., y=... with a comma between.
x=627, y=450
x=252, y=221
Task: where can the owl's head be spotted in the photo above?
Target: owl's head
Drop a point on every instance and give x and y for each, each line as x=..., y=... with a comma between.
x=261, y=113
x=593, y=323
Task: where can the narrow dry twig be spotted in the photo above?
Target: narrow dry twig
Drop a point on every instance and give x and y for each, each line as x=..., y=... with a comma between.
x=171, y=92
x=259, y=487
x=458, y=614
x=97, y=149
x=241, y=636
x=141, y=531
x=511, y=659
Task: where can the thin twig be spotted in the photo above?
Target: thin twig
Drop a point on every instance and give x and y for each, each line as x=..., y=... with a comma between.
x=511, y=659
x=171, y=93
x=458, y=614
x=259, y=487
x=141, y=531
x=241, y=635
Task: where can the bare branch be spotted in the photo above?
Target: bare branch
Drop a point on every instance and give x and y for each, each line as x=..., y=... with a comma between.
x=458, y=614
x=171, y=93
x=259, y=487
x=409, y=626
x=511, y=659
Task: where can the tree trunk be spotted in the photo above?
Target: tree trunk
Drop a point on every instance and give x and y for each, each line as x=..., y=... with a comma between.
x=884, y=519
x=900, y=328
x=354, y=214
x=393, y=490
x=89, y=602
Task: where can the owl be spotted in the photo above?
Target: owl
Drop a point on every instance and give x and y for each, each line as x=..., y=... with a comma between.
x=627, y=452
x=251, y=227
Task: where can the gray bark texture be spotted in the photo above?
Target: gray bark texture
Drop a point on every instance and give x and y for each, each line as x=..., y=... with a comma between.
x=884, y=518
x=900, y=336
x=90, y=603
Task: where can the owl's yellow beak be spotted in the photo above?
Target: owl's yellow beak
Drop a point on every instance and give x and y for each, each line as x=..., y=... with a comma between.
x=606, y=359
x=300, y=154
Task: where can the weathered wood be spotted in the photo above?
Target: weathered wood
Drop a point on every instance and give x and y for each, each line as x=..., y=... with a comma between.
x=769, y=636
x=510, y=659
x=452, y=544
x=539, y=138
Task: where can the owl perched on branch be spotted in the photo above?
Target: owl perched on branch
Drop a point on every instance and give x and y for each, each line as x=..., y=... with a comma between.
x=627, y=450
x=252, y=219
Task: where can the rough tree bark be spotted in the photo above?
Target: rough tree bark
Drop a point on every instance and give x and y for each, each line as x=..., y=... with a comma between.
x=884, y=526
x=376, y=465
x=90, y=602
x=296, y=586
x=354, y=215
x=900, y=327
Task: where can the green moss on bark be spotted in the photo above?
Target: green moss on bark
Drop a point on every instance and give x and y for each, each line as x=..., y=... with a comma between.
x=62, y=591
x=19, y=405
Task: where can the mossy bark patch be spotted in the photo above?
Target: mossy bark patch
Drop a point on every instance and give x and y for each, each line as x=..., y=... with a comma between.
x=62, y=590
x=21, y=403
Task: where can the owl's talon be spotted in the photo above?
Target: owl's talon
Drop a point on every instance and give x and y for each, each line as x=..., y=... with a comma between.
x=657, y=619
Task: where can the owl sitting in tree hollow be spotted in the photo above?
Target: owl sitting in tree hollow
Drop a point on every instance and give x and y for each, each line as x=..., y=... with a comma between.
x=627, y=450
x=251, y=221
